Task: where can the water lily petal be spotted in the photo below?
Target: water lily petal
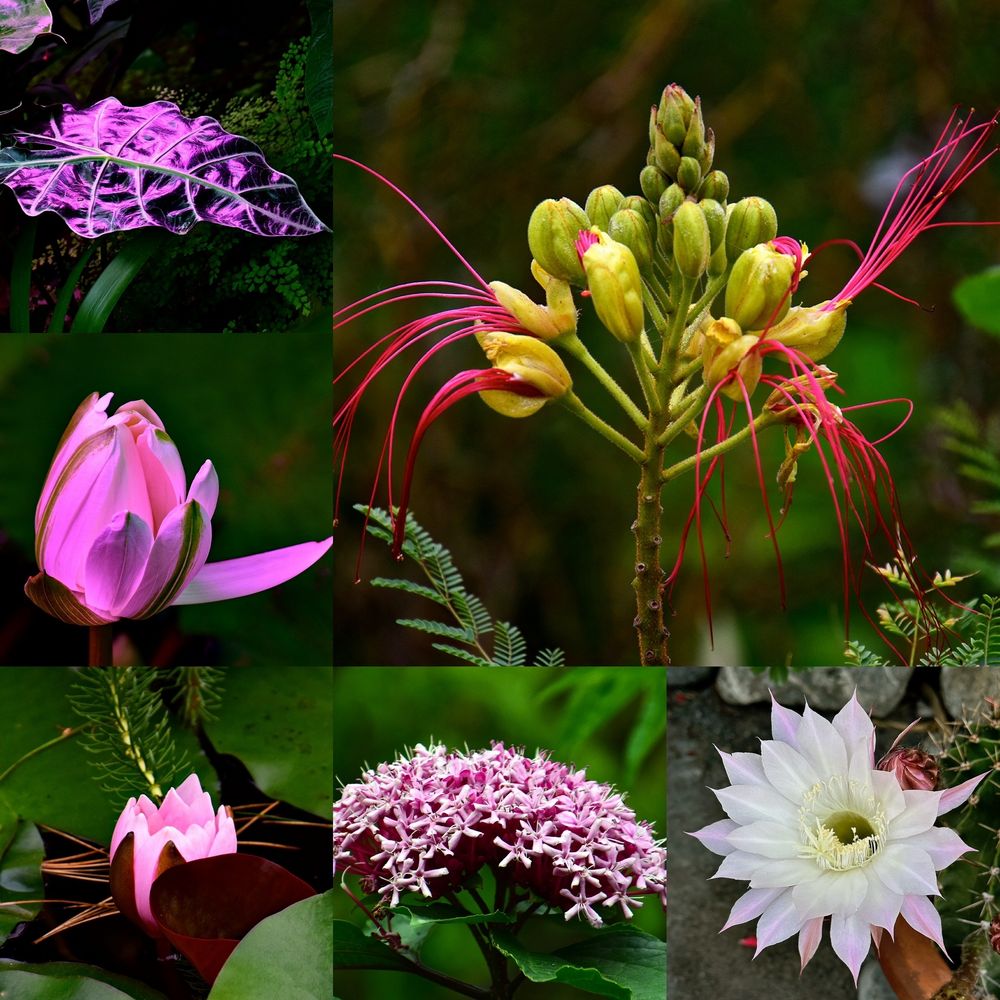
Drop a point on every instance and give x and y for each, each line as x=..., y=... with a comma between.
x=116, y=562
x=787, y=770
x=251, y=574
x=715, y=836
x=751, y=905
x=205, y=488
x=851, y=939
x=164, y=472
x=809, y=939
x=180, y=550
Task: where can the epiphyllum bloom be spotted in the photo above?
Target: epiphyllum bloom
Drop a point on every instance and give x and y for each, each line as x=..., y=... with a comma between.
x=118, y=534
x=818, y=831
x=498, y=316
x=149, y=839
x=427, y=822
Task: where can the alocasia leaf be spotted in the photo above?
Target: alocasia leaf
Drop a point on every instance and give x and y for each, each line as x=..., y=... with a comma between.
x=96, y=9
x=110, y=167
x=21, y=21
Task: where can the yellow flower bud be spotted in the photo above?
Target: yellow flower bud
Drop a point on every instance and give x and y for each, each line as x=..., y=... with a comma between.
x=811, y=330
x=692, y=242
x=615, y=287
x=602, y=203
x=558, y=298
x=751, y=221
x=542, y=321
x=529, y=359
x=552, y=232
x=760, y=280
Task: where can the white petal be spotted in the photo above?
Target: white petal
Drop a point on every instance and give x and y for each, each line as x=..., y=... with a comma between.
x=743, y=768
x=751, y=905
x=832, y=892
x=854, y=724
x=809, y=939
x=919, y=912
x=821, y=744
x=906, y=869
x=768, y=839
x=784, y=723
x=918, y=817
x=748, y=804
x=889, y=793
x=738, y=865
x=787, y=770
x=715, y=836
x=777, y=923
x=954, y=797
x=774, y=873
x=851, y=940
x=880, y=907
x=942, y=844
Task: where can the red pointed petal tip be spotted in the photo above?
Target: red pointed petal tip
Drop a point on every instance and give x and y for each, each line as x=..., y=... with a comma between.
x=455, y=389
x=959, y=152
x=585, y=239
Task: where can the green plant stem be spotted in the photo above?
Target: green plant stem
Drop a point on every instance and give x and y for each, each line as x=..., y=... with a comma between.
x=675, y=334
x=686, y=371
x=66, y=734
x=100, y=646
x=448, y=982
x=764, y=420
x=575, y=405
x=576, y=348
x=20, y=280
x=693, y=404
x=649, y=390
x=715, y=285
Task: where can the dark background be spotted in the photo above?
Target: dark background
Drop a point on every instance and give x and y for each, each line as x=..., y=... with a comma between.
x=479, y=111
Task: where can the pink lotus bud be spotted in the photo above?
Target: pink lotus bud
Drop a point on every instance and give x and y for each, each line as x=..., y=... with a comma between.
x=913, y=769
x=149, y=839
x=119, y=534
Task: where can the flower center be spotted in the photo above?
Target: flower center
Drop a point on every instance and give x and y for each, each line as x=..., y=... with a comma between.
x=843, y=824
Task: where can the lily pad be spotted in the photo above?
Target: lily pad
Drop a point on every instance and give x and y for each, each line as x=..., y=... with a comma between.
x=289, y=955
x=69, y=981
x=21, y=854
x=621, y=962
x=21, y=22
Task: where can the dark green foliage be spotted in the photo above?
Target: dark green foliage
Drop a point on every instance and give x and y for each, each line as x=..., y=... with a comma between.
x=128, y=731
x=198, y=693
x=231, y=280
x=473, y=623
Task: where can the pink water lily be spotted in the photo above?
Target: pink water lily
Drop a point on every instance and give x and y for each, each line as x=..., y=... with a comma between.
x=119, y=534
x=148, y=839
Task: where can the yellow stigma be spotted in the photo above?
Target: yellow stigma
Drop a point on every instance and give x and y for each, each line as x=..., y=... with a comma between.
x=843, y=824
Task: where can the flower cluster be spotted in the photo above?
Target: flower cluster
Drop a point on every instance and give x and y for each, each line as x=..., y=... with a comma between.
x=819, y=831
x=426, y=822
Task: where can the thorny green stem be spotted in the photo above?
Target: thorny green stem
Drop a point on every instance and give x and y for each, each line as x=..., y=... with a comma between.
x=964, y=984
x=575, y=347
x=707, y=454
x=686, y=371
x=575, y=405
x=99, y=646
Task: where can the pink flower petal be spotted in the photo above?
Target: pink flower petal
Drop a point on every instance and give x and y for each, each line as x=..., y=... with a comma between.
x=784, y=723
x=251, y=574
x=809, y=939
x=163, y=472
x=715, y=836
x=954, y=797
x=920, y=913
x=205, y=488
x=777, y=923
x=851, y=939
x=116, y=562
x=854, y=724
x=751, y=905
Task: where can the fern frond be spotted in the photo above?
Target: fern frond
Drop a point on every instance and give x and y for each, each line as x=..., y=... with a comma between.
x=550, y=658
x=456, y=632
x=199, y=693
x=128, y=731
x=509, y=647
x=409, y=587
x=463, y=654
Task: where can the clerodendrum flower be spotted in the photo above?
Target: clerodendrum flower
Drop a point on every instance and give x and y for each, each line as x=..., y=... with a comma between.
x=428, y=821
x=526, y=372
x=859, y=479
x=817, y=830
x=119, y=534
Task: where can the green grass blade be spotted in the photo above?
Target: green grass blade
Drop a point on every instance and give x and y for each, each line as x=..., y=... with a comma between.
x=102, y=298
x=20, y=280
x=66, y=292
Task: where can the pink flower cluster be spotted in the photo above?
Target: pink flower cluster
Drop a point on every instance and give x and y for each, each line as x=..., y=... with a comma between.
x=426, y=822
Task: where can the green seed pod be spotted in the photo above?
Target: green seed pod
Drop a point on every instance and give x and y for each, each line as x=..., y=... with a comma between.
x=715, y=185
x=665, y=153
x=689, y=174
x=653, y=182
x=615, y=287
x=692, y=243
x=602, y=203
x=707, y=153
x=639, y=204
x=631, y=229
x=751, y=221
x=715, y=216
x=717, y=265
x=670, y=201
x=674, y=114
x=758, y=285
x=552, y=232
x=694, y=139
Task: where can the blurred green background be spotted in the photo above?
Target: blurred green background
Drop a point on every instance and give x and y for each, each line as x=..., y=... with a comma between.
x=593, y=719
x=479, y=111
x=258, y=407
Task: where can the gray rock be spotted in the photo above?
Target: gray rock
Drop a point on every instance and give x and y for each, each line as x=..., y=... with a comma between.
x=872, y=984
x=880, y=689
x=679, y=677
x=964, y=688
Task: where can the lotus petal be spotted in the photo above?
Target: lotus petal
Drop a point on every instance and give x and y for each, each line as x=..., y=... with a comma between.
x=111, y=167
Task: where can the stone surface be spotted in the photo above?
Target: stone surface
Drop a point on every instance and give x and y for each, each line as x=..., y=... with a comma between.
x=678, y=677
x=872, y=984
x=880, y=689
x=963, y=688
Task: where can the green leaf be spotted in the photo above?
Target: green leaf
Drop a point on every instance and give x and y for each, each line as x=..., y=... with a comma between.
x=509, y=647
x=100, y=301
x=21, y=854
x=408, y=586
x=288, y=955
x=445, y=913
x=278, y=721
x=20, y=280
x=65, y=296
x=647, y=730
x=621, y=962
x=978, y=299
x=352, y=950
x=68, y=981
x=461, y=654
x=437, y=628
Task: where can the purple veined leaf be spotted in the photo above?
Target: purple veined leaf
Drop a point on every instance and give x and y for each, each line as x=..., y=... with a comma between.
x=109, y=168
x=21, y=21
x=96, y=9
